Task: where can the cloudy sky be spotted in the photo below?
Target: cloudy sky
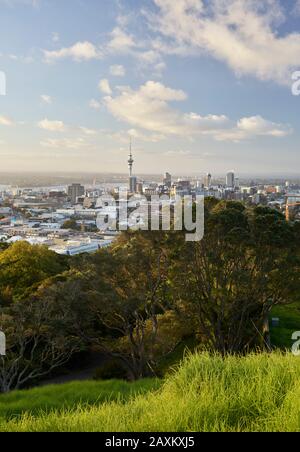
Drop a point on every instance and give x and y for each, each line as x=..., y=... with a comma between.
x=199, y=85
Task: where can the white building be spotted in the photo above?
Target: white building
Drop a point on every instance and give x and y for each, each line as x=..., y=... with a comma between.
x=74, y=247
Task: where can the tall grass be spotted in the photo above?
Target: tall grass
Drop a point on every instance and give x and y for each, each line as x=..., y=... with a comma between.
x=259, y=392
x=68, y=396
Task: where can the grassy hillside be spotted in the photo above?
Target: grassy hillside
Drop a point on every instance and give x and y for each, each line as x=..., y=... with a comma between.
x=255, y=393
x=67, y=396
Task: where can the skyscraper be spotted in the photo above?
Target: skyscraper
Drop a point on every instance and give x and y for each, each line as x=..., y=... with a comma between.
x=207, y=180
x=167, y=180
x=75, y=191
x=133, y=184
x=230, y=179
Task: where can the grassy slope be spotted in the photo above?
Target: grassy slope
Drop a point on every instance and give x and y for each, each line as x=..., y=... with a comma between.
x=67, y=396
x=255, y=393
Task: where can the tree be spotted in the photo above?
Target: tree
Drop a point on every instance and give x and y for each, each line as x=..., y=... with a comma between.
x=41, y=333
x=247, y=262
x=23, y=267
x=71, y=224
x=133, y=292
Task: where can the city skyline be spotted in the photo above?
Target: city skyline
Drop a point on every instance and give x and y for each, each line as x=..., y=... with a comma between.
x=198, y=88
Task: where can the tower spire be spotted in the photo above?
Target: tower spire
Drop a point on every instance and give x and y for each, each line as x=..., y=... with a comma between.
x=130, y=159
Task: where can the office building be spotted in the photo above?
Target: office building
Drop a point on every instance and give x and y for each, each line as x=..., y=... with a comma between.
x=207, y=181
x=75, y=191
x=230, y=180
x=167, y=180
x=133, y=184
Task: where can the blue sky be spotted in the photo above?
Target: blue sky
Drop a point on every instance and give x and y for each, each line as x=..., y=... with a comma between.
x=200, y=86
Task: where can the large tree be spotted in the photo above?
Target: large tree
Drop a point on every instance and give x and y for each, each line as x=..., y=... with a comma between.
x=42, y=332
x=130, y=292
x=247, y=263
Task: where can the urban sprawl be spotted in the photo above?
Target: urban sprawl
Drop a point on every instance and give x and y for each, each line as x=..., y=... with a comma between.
x=66, y=218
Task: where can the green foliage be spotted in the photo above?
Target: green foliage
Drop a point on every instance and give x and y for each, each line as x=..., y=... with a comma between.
x=259, y=392
x=289, y=323
x=247, y=263
x=71, y=224
x=23, y=267
x=139, y=300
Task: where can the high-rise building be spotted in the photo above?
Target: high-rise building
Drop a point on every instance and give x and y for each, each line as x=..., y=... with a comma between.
x=167, y=180
x=230, y=180
x=140, y=188
x=75, y=191
x=207, y=180
x=133, y=184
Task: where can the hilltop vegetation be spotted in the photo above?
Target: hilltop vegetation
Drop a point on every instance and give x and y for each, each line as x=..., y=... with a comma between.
x=147, y=295
x=207, y=393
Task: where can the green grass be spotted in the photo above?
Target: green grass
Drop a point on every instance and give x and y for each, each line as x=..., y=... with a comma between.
x=171, y=361
x=289, y=316
x=67, y=396
x=259, y=392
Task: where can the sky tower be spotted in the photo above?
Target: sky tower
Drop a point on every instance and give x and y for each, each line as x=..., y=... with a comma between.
x=130, y=160
x=132, y=179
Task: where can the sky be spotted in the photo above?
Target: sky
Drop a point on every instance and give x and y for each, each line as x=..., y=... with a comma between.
x=199, y=86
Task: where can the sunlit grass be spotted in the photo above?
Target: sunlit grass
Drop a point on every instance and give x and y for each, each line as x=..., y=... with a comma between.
x=259, y=392
x=68, y=396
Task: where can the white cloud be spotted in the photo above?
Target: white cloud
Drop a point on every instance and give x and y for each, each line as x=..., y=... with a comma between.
x=120, y=42
x=105, y=87
x=117, y=70
x=81, y=51
x=52, y=126
x=247, y=128
x=5, y=121
x=60, y=126
x=64, y=143
x=55, y=37
x=242, y=33
x=148, y=109
x=88, y=131
x=13, y=3
x=95, y=104
x=47, y=99
x=150, y=138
